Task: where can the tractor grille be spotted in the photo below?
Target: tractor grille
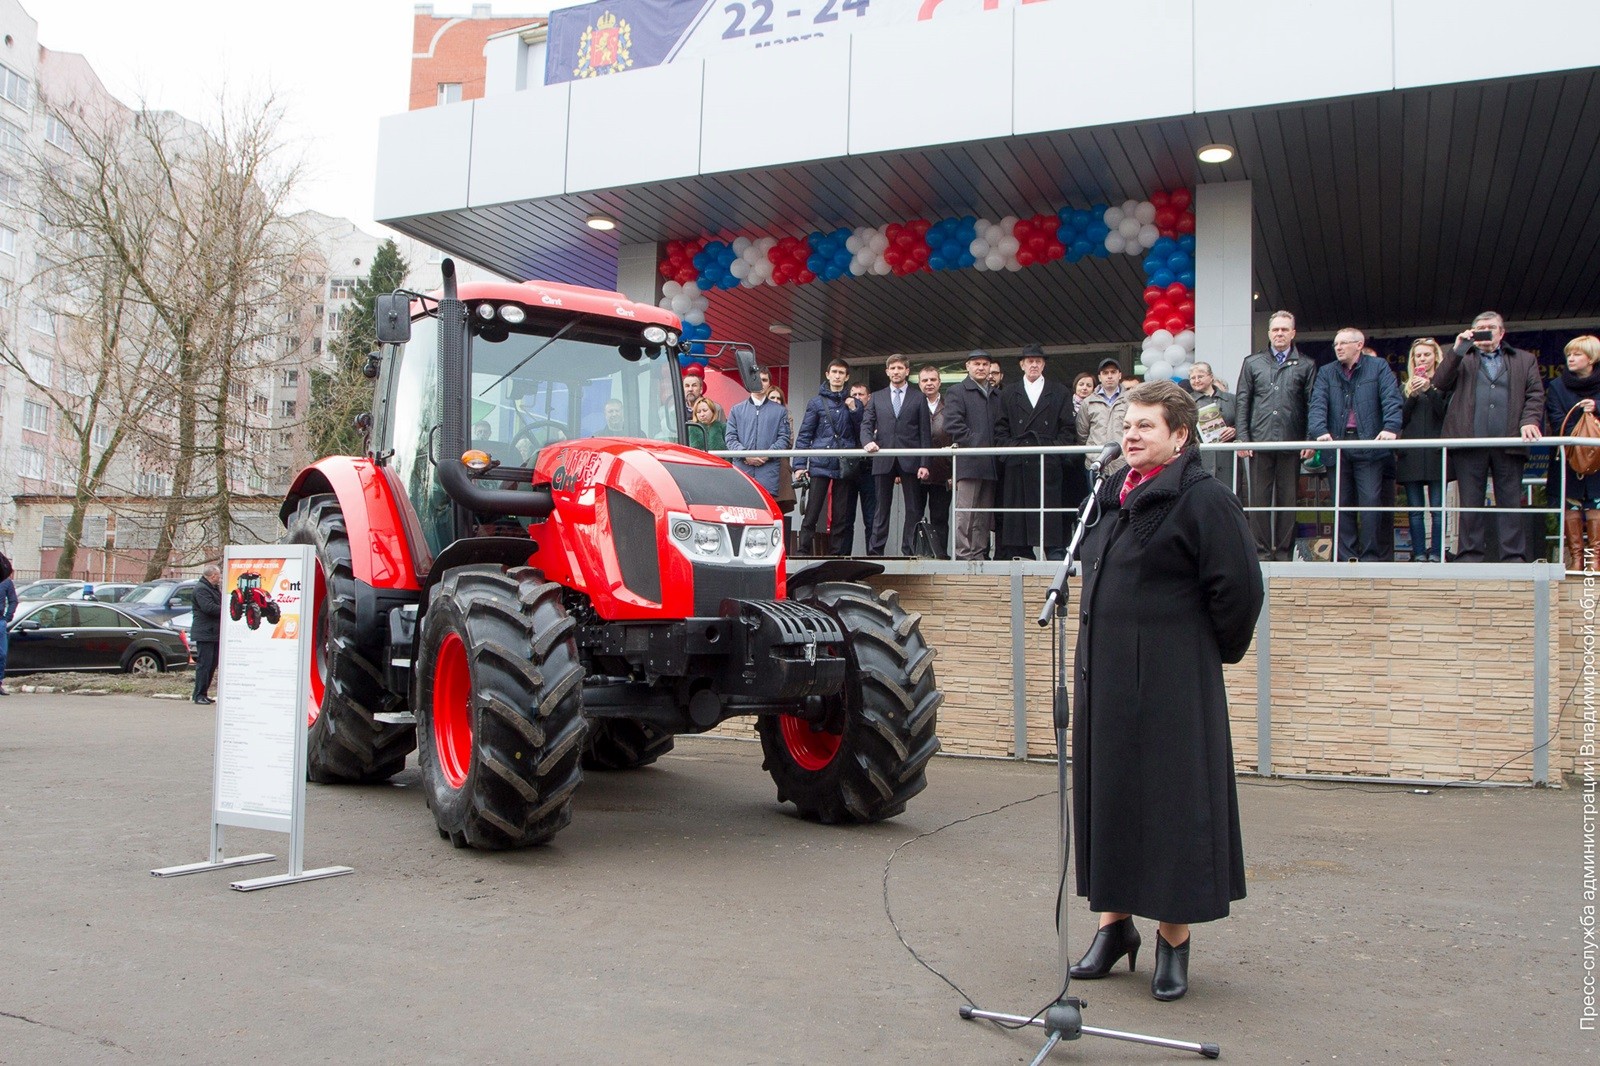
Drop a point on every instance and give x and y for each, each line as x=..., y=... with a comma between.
x=713, y=584
x=635, y=530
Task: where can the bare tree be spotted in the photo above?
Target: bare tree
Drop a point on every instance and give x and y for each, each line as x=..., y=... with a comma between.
x=179, y=231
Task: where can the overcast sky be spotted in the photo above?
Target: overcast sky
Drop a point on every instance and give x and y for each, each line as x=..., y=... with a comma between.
x=337, y=66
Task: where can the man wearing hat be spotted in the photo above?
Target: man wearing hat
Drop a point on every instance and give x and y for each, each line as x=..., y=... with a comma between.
x=1100, y=416
x=971, y=409
x=1034, y=412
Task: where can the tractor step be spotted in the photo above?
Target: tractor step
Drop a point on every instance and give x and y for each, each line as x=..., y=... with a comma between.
x=396, y=718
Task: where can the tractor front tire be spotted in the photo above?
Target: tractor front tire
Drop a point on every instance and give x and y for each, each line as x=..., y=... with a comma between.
x=624, y=744
x=270, y=612
x=499, y=708
x=346, y=742
x=889, y=709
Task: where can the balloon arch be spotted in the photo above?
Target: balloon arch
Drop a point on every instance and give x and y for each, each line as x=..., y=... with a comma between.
x=1160, y=231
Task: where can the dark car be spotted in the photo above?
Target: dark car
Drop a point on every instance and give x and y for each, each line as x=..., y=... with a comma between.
x=84, y=635
x=106, y=593
x=38, y=590
x=160, y=601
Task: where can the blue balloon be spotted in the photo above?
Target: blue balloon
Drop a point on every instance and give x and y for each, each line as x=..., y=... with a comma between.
x=1097, y=232
x=1178, y=262
x=1153, y=263
x=728, y=282
x=965, y=261
x=1163, y=247
x=1186, y=242
x=1162, y=278
x=816, y=264
x=1187, y=277
x=1072, y=254
x=935, y=262
x=1081, y=248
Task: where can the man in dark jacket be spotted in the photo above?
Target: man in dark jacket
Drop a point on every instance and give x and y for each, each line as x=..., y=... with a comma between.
x=206, y=630
x=827, y=423
x=1357, y=399
x=971, y=410
x=896, y=417
x=1034, y=412
x=1495, y=391
x=939, y=487
x=1274, y=394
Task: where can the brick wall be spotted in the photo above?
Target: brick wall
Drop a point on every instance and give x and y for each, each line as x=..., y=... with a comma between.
x=449, y=50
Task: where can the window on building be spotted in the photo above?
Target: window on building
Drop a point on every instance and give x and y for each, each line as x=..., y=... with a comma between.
x=8, y=240
x=10, y=188
x=449, y=92
x=14, y=87
x=39, y=366
x=342, y=288
x=291, y=379
x=101, y=435
x=288, y=409
x=41, y=319
x=74, y=382
x=152, y=485
x=32, y=462
x=335, y=321
x=316, y=345
x=57, y=133
x=35, y=416
x=13, y=138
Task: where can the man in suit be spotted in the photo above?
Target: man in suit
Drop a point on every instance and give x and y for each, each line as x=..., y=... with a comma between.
x=971, y=410
x=896, y=417
x=1273, y=397
x=939, y=487
x=1034, y=412
x=1495, y=391
x=1357, y=399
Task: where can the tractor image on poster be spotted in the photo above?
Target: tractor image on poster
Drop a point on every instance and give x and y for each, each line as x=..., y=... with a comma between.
x=521, y=595
x=250, y=602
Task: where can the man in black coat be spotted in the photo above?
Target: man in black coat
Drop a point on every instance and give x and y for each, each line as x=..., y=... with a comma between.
x=1273, y=398
x=206, y=630
x=971, y=409
x=897, y=417
x=1034, y=412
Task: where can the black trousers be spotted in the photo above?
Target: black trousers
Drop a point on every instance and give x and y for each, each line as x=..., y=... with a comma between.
x=205, y=665
x=912, y=492
x=1274, y=478
x=840, y=527
x=1474, y=467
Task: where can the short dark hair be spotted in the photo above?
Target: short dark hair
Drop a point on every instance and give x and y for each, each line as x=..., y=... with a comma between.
x=925, y=367
x=897, y=358
x=839, y=363
x=1177, y=407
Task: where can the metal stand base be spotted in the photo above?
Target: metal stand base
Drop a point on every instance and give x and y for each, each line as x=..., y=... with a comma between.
x=220, y=864
x=288, y=879
x=1065, y=1022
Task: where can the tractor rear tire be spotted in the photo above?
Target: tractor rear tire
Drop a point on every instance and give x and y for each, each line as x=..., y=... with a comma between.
x=346, y=742
x=499, y=708
x=889, y=708
x=624, y=744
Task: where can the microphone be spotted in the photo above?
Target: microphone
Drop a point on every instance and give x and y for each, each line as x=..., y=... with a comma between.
x=1108, y=453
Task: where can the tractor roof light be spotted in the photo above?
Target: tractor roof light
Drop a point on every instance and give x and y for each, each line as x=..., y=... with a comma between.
x=476, y=461
x=486, y=311
x=655, y=334
x=512, y=314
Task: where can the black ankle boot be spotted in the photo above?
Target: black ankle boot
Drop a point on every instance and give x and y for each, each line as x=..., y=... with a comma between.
x=1110, y=944
x=1171, y=978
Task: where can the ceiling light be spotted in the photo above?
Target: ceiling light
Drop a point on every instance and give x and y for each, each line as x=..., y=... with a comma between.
x=780, y=329
x=1215, y=153
x=600, y=222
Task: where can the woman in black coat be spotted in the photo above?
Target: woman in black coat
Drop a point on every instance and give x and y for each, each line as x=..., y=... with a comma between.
x=1421, y=470
x=1171, y=592
x=1578, y=386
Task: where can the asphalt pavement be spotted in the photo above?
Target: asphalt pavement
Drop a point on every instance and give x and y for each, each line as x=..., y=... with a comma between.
x=686, y=917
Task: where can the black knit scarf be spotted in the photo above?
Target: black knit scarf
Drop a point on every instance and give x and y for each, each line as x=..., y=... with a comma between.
x=1149, y=504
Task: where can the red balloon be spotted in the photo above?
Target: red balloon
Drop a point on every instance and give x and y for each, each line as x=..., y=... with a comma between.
x=1025, y=256
x=1022, y=230
x=1161, y=309
x=1166, y=217
x=921, y=226
x=805, y=277
x=1046, y=223
x=1055, y=250
x=1179, y=198
x=1185, y=223
x=1175, y=325
x=1151, y=295
x=1151, y=325
x=687, y=274
x=1185, y=308
x=1176, y=291
x=1159, y=198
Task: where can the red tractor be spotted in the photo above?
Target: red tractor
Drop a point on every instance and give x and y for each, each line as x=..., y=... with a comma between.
x=520, y=598
x=250, y=602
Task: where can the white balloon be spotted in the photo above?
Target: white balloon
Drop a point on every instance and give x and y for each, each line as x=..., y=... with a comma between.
x=695, y=318
x=858, y=268
x=1129, y=228
x=1129, y=207
x=691, y=289
x=1148, y=235
x=1175, y=354
x=881, y=267
x=994, y=234
x=1134, y=248
x=1162, y=338
x=1150, y=344
x=1145, y=212
x=1013, y=266
x=1158, y=370
x=681, y=305
x=980, y=264
x=1186, y=339
x=671, y=288
x=767, y=244
x=979, y=248
x=1008, y=246
x=1113, y=217
x=1115, y=243
x=741, y=245
x=1008, y=223
x=1182, y=370
x=750, y=280
x=879, y=243
x=995, y=261
x=739, y=268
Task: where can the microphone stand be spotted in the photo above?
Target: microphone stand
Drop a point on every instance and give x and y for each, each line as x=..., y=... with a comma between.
x=1063, y=1019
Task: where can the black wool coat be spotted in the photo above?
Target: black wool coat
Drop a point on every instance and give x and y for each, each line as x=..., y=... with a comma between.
x=207, y=622
x=1171, y=591
x=1022, y=424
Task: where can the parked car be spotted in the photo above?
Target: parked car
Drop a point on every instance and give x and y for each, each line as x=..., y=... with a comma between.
x=107, y=593
x=183, y=623
x=80, y=635
x=38, y=590
x=161, y=601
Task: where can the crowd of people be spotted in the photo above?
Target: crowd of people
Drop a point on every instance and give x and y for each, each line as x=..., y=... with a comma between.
x=1023, y=507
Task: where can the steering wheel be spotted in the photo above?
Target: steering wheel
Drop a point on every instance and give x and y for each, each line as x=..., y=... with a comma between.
x=538, y=432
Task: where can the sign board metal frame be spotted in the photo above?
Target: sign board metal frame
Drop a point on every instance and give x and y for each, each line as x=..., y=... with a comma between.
x=262, y=693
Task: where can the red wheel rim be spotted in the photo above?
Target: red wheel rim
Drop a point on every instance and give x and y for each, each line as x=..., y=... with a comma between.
x=452, y=719
x=319, y=644
x=811, y=749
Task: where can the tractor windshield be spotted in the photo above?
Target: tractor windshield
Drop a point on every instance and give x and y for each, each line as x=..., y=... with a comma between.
x=524, y=391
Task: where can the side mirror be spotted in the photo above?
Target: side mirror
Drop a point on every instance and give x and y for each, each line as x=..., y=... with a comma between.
x=28, y=625
x=745, y=358
x=392, y=318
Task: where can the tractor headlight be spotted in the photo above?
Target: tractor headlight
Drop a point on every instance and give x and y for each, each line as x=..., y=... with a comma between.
x=707, y=538
x=513, y=314
x=760, y=541
x=682, y=529
x=655, y=334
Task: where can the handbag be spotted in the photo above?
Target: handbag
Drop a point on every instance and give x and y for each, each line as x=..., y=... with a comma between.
x=922, y=545
x=1583, y=459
